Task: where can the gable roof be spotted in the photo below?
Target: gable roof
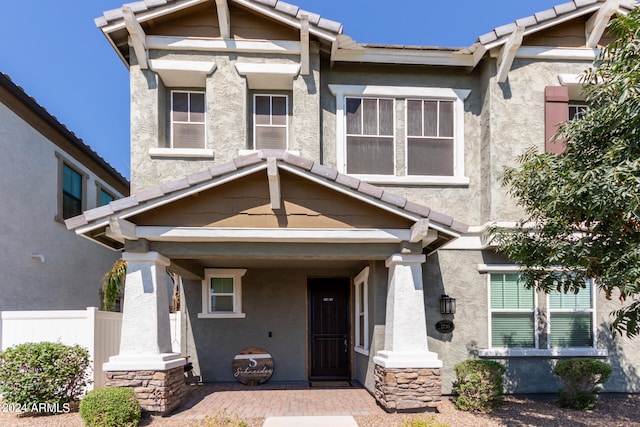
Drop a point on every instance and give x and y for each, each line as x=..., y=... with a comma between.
x=344, y=48
x=97, y=219
x=279, y=8
x=14, y=96
x=548, y=18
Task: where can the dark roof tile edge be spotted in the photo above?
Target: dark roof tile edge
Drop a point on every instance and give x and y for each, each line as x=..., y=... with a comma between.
x=34, y=106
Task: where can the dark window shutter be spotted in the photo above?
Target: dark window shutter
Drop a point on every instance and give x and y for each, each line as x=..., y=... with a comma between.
x=556, y=112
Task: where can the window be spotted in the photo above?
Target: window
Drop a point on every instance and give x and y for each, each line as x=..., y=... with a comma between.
x=104, y=197
x=571, y=318
x=401, y=135
x=361, y=283
x=187, y=119
x=72, y=189
x=370, y=142
x=577, y=110
x=270, y=118
x=512, y=313
x=222, y=293
x=71, y=192
x=518, y=327
x=430, y=137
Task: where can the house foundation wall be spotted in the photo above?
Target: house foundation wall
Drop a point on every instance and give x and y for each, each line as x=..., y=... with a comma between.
x=158, y=392
x=407, y=389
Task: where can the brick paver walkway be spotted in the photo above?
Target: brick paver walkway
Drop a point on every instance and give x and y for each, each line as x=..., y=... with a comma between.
x=275, y=399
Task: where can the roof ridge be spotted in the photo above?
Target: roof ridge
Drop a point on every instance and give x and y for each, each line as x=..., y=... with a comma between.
x=244, y=161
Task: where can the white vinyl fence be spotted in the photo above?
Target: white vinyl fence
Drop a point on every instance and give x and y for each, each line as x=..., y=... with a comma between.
x=98, y=331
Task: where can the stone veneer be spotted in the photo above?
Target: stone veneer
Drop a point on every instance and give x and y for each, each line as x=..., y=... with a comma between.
x=158, y=392
x=407, y=389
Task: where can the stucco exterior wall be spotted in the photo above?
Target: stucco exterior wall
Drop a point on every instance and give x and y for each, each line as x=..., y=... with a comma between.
x=516, y=113
x=274, y=301
x=456, y=273
x=452, y=199
x=71, y=275
x=228, y=114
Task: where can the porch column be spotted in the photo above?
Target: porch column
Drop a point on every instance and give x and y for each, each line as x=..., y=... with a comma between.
x=145, y=361
x=407, y=374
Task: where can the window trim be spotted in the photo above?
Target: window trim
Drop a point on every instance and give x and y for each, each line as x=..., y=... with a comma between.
x=554, y=352
x=62, y=161
x=341, y=92
x=253, y=117
x=101, y=188
x=534, y=311
x=234, y=273
x=185, y=151
x=361, y=285
x=591, y=310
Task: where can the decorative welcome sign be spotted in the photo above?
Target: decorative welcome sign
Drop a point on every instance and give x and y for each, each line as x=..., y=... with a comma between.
x=252, y=366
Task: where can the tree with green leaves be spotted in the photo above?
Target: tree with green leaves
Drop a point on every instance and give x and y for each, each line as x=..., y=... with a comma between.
x=582, y=207
x=113, y=284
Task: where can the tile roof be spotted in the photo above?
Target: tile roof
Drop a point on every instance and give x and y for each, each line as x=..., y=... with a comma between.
x=320, y=171
x=113, y=15
x=540, y=18
x=33, y=105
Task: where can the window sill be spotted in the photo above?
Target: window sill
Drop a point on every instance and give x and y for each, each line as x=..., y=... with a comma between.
x=221, y=315
x=461, y=181
x=361, y=350
x=181, y=152
x=546, y=352
x=249, y=152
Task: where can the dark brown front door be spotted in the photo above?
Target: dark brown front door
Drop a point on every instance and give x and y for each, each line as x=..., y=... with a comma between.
x=329, y=328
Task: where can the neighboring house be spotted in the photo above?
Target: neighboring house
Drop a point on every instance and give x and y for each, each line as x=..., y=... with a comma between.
x=47, y=174
x=325, y=200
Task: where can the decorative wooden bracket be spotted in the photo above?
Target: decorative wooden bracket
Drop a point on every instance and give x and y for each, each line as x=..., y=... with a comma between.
x=274, y=182
x=304, y=45
x=121, y=229
x=138, y=37
x=224, y=20
x=419, y=230
x=508, y=53
x=596, y=25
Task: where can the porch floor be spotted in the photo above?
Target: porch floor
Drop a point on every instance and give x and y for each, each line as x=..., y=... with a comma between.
x=275, y=399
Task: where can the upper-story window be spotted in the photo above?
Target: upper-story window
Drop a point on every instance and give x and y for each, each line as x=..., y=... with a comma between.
x=104, y=197
x=395, y=134
x=577, y=110
x=187, y=119
x=369, y=136
x=270, y=119
x=72, y=192
x=430, y=137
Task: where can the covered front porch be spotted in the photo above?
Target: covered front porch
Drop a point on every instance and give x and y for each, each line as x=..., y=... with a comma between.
x=278, y=256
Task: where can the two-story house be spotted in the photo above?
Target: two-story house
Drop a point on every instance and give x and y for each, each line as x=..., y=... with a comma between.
x=329, y=201
x=48, y=175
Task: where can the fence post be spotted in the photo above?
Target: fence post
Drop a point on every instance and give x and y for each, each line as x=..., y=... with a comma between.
x=91, y=341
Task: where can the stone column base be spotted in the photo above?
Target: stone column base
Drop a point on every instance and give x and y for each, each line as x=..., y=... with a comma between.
x=158, y=392
x=407, y=389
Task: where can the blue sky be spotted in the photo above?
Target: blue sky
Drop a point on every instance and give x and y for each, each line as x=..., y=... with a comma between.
x=53, y=49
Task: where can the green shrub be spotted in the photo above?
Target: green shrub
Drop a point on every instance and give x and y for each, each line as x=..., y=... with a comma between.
x=43, y=374
x=423, y=422
x=581, y=379
x=478, y=385
x=110, y=407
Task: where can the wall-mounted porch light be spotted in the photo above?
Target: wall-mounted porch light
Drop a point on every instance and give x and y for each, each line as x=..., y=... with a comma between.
x=447, y=304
